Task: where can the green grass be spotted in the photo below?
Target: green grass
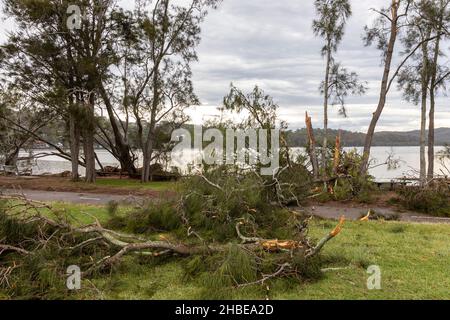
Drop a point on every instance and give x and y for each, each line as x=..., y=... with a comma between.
x=414, y=260
x=135, y=184
x=415, y=264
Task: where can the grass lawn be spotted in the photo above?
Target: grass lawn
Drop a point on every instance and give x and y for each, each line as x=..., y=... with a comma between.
x=414, y=260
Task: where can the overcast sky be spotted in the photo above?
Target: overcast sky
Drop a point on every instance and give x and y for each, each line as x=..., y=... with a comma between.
x=271, y=44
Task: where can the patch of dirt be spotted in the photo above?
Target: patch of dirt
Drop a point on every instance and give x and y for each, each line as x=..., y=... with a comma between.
x=60, y=184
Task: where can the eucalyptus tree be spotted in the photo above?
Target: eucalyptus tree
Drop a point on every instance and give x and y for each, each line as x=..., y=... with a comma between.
x=48, y=59
x=422, y=76
x=155, y=84
x=341, y=84
x=37, y=60
x=385, y=33
x=415, y=79
x=437, y=15
x=21, y=120
x=332, y=16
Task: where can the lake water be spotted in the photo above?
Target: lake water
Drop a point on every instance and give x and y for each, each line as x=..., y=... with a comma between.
x=409, y=162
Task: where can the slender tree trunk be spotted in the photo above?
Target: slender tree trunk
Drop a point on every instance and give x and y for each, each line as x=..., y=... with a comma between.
x=88, y=141
x=423, y=128
x=325, y=113
x=74, y=134
x=148, y=154
x=434, y=69
x=148, y=146
x=425, y=79
x=121, y=147
x=431, y=128
x=383, y=91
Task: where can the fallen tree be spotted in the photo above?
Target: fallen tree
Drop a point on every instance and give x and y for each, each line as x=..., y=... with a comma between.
x=214, y=217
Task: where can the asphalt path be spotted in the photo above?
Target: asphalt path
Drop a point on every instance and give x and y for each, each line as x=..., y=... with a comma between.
x=323, y=211
x=70, y=197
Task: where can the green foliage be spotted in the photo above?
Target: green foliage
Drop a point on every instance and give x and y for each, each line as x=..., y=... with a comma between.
x=226, y=195
x=152, y=217
x=351, y=184
x=40, y=274
x=433, y=200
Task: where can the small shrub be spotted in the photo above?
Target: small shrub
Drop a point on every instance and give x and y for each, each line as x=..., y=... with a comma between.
x=434, y=200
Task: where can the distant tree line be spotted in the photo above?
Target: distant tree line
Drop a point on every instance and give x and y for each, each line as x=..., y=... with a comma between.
x=299, y=138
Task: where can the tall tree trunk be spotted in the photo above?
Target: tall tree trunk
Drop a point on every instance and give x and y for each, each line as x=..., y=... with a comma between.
x=88, y=141
x=148, y=154
x=434, y=70
x=423, y=128
x=431, y=126
x=121, y=147
x=383, y=91
x=148, y=145
x=325, y=112
x=74, y=135
x=425, y=79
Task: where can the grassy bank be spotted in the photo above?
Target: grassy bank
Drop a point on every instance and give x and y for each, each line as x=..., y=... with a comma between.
x=113, y=185
x=414, y=260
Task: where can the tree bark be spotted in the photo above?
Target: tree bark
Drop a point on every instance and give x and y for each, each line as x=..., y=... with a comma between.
x=148, y=153
x=88, y=141
x=423, y=115
x=383, y=91
x=74, y=133
x=312, y=147
x=325, y=112
x=433, y=84
x=121, y=148
x=11, y=158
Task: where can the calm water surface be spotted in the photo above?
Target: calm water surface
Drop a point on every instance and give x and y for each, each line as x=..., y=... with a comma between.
x=408, y=157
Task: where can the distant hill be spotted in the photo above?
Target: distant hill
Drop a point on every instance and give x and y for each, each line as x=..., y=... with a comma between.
x=298, y=138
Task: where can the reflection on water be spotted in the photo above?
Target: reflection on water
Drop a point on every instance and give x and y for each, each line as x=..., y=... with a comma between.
x=408, y=156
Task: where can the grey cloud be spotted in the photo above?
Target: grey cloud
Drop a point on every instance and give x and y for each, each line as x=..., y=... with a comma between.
x=271, y=44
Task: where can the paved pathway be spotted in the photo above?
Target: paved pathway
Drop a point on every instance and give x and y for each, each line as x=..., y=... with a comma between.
x=325, y=211
x=72, y=197
x=355, y=213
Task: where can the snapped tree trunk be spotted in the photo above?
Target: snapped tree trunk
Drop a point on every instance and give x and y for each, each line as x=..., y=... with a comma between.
x=383, y=91
x=312, y=147
x=337, y=153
